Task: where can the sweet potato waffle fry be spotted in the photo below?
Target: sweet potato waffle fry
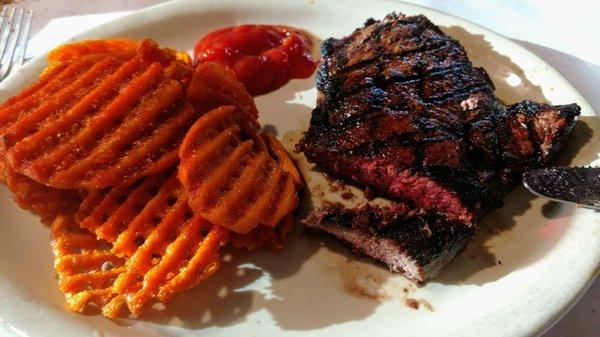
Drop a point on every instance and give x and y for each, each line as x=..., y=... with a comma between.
x=169, y=249
x=43, y=201
x=229, y=174
x=174, y=257
x=141, y=194
x=73, y=51
x=127, y=215
x=85, y=266
x=272, y=237
x=283, y=159
x=97, y=122
x=214, y=85
x=110, y=212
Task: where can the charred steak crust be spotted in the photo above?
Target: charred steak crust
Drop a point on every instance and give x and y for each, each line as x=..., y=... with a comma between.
x=396, y=86
x=425, y=242
x=402, y=110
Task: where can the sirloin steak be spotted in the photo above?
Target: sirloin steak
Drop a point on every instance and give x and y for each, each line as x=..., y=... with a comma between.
x=402, y=111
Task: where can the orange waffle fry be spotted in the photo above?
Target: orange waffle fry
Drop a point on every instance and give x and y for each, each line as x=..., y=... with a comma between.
x=214, y=85
x=283, y=158
x=169, y=249
x=73, y=51
x=45, y=202
x=3, y=169
x=174, y=62
x=94, y=123
x=272, y=237
x=172, y=259
x=177, y=65
x=127, y=215
x=229, y=174
x=85, y=266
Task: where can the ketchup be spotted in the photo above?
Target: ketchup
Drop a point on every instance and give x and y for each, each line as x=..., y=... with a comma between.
x=263, y=57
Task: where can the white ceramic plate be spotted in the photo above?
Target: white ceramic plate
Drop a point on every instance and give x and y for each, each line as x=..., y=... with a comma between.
x=549, y=253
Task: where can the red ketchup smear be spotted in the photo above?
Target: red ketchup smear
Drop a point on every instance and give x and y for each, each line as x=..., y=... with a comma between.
x=263, y=57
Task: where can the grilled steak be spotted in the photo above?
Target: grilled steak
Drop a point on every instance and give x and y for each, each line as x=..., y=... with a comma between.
x=416, y=244
x=402, y=110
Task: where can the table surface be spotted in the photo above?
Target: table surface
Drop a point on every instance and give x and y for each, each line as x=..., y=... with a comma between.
x=567, y=36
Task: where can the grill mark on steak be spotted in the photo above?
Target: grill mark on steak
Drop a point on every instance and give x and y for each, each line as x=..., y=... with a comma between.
x=402, y=111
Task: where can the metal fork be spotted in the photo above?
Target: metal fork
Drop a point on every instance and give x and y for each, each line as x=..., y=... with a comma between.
x=15, y=24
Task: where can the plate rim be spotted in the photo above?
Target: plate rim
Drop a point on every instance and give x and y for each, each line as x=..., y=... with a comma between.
x=538, y=330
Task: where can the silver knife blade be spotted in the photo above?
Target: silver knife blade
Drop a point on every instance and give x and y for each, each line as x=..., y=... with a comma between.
x=580, y=185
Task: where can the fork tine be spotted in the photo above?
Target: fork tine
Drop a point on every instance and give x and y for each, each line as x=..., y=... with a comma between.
x=24, y=38
x=3, y=18
x=6, y=27
x=12, y=43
